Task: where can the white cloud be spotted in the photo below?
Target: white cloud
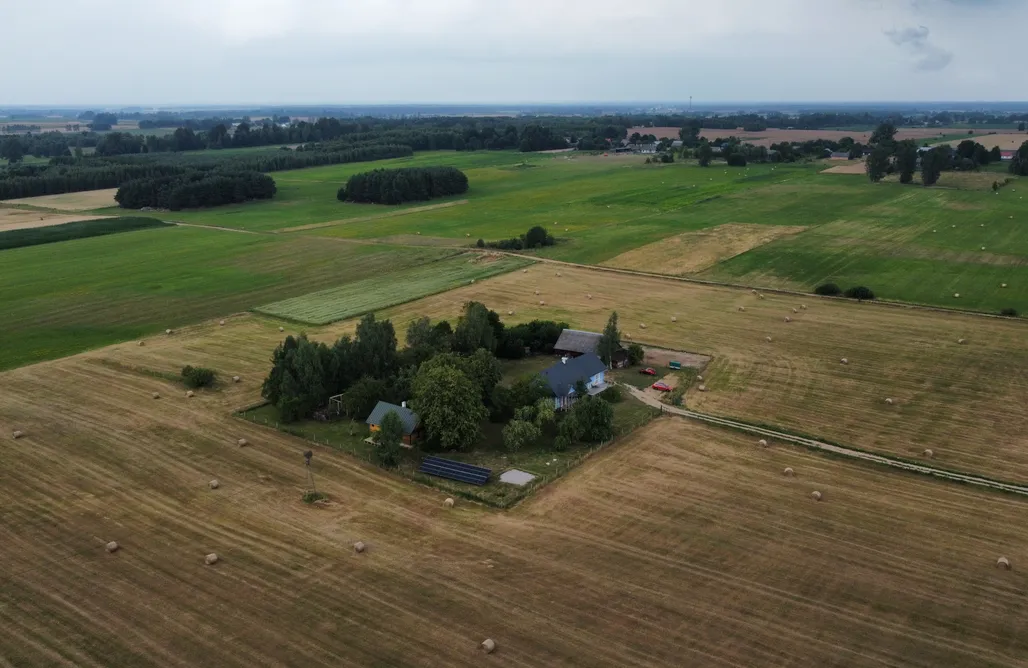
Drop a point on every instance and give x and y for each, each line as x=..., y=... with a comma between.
x=354, y=51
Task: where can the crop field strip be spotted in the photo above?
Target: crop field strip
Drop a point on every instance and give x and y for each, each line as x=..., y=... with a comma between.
x=681, y=544
x=379, y=292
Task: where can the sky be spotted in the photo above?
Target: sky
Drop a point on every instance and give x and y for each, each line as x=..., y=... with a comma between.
x=182, y=52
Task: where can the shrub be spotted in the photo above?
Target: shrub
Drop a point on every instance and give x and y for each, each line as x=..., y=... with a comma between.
x=828, y=290
x=310, y=496
x=736, y=160
x=480, y=243
x=612, y=395
x=635, y=353
x=859, y=292
x=1009, y=312
x=537, y=237
x=198, y=376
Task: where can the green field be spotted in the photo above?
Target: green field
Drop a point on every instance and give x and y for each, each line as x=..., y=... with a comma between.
x=71, y=296
x=398, y=287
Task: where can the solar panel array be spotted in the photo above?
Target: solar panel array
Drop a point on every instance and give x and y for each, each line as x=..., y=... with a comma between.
x=447, y=468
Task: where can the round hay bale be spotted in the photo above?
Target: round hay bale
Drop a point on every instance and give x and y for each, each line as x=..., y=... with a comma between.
x=167, y=331
x=795, y=310
x=788, y=471
x=983, y=247
x=762, y=443
x=889, y=401
x=588, y=296
x=742, y=308
x=542, y=303
x=1003, y=563
x=935, y=230
x=141, y=343
x=524, y=271
x=956, y=295
x=699, y=377
x=467, y=235
x=961, y=341
x=558, y=273
x=510, y=312
x=156, y=395
x=537, y=291
x=472, y=281
x=702, y=388
x=242, y=442
x=674, y=319
x=189, y=394
x=803, y=307
x=214, y=484
x=221, y=323
x=211, y=559
x=928, y=453
x=235, y=379
x=760, y=296
x=788, y=319
x=448, y=503
x=642, y=325
x=816, y=495
x=488, y=645
x=628, y=335
x=359, y=547
x=768, y=339
x=753, y=291
x=112, y=547
x=1002, y=285
x=281, y=329
x=18, y=433
x=844, y=361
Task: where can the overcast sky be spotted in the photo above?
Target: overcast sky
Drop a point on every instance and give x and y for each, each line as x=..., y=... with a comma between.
x=185, y=52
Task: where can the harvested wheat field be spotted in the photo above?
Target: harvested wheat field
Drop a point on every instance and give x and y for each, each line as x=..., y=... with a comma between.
x=80, y=201
x=1006, y=142
x=693, y=252
x=962, y=401
x=22, y=219
x=848, y=167
x=681, y=546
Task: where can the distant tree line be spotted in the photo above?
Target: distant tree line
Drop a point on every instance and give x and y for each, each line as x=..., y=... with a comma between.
x=194, y=190
x=406, y=184
x=537, y=237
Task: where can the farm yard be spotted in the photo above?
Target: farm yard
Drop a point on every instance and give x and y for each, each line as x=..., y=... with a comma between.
x=678, y=522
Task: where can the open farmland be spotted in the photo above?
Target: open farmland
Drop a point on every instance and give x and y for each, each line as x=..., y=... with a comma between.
x=372, y=294
x=680, y=546
x=62, y=298
x=24, y=219
x=958, y=400
x=778, y=135
x=1006, y=142
x=80, y=201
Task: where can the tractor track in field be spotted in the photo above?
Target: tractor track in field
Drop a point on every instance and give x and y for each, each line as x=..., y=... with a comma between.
x=814, y=444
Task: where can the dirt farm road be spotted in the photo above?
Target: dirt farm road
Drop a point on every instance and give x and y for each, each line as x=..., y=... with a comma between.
x=828, y=447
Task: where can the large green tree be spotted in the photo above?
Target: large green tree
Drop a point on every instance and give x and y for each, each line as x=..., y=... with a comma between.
x=610, y=341
x=705, y=154
x=388, y=444
x=884, y=136
x=474, y=329
x=450, y=406
x=11, y=149
x=519, y=433
x=931, y=166
x=1019, y=164
x=374, y=347
x=877, y=164
x=906, y=160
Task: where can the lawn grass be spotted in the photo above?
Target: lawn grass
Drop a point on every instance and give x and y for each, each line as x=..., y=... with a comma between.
x=63, y=298
x=371, y=294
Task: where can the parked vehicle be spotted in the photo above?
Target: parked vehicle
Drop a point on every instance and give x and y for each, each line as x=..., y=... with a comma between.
x=661, y=387
x=648, y=371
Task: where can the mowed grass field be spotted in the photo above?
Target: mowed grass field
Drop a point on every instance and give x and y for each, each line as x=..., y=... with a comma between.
x=682, y=545
x=964, y=402
x=63, y=298
x=372, y=294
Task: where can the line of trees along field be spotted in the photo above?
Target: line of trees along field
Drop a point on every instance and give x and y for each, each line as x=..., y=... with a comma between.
x=406, y=184
x=195, y=189
x=65, y=175
x=82, y=229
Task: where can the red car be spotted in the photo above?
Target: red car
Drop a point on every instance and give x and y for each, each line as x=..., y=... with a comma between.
x=648, y=372
x=661, y=387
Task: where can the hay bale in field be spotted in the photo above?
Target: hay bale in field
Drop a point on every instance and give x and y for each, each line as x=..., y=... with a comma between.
x=699, y=377
x=510, y=312
x=167, y=331
x=628, y=335
x=795, y=310
x=18, y=433
x=702, y=388
x=524, y=271
x=816, y=495
x=235, y=379
x=762, y=443
x=112, y=547
x=214, y=484
x=488, y=645
x=983, y=247
x=467, y=235
x=448, y=503
x=928, y=453
x=542, y=303
x=888, y=401
x=961, y=341
x=1002, y=285
x=537, y=291
x=242, y=442
x=956, y=295
x=141, y=343
x=803, y=306
x=642, y=325
x=844, y=361
x=221, y=323
x=211, y=559
x=674, y=319
x=753, y=291
x=760, y=296
x=1003, y=563
x=472, y=281
x=189, y=394
x=788, y=472
x=281, y=329
x=742, y=308
x=359, y=547
x=588, y=296
x=788, y=319
x=558, y=273
x=156, y=395
x=768, y=339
